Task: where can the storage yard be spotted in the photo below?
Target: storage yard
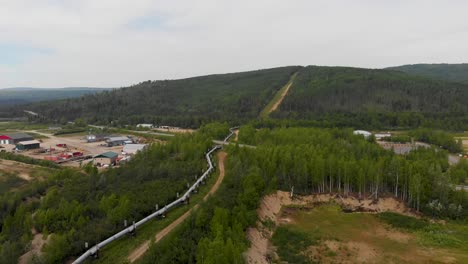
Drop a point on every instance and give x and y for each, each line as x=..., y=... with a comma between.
x=73, y=150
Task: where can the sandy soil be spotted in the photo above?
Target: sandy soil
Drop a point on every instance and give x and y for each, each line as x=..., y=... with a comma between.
x=22, y=170
x=140, y=251
x=270, y=207
x=237, y=135
x=36, y=245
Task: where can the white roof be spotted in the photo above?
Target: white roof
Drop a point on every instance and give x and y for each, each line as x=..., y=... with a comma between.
x=29, y=142
x=118, y=139
x=133, y=148
x=362, y=132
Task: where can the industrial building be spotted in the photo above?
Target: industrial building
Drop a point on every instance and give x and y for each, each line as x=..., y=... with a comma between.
x=14, y=138
x=145, y=126
x=118, y=141
x=30, y=144
x=96, y=137
x=132, y=149
x=380, y=136
x=107, y=158
x=364, y=133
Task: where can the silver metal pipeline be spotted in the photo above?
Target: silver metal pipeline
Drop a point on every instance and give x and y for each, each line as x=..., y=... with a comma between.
x=93, y=250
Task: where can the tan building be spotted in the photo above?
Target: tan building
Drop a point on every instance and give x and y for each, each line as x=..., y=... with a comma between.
x=107, y=158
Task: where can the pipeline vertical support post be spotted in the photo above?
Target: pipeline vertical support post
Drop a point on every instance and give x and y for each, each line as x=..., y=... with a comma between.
x=134, y=229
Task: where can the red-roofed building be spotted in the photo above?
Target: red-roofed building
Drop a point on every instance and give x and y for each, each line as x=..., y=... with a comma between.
x=4, y=139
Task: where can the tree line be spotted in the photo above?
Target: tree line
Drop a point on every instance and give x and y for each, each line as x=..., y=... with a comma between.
x=311, y=160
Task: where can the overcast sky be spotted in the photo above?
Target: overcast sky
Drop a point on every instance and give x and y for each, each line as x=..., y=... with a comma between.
x=114, y=43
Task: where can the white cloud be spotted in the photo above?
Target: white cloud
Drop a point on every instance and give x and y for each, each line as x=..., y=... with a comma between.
x=94, y=42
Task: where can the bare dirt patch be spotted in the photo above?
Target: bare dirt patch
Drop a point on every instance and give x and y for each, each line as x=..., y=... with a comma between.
x=36, y=246
x=22, y=170
x=261, y=249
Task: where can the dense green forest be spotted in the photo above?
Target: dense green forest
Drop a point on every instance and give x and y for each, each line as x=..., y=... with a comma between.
x=185, y=102
x=442, y=71
x=14, y=96
x=311, y=160
x=353, y=97
x=438, y=138
x=87, y=206
x=320, y=96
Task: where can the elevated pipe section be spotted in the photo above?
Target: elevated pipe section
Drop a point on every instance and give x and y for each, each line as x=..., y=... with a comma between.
x=93, y=251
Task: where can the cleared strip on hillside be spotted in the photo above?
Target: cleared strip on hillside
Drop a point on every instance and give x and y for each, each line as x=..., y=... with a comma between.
x=276, y=101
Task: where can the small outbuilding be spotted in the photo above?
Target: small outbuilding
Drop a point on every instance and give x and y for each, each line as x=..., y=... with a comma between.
x=30, y=144
x=107, y=158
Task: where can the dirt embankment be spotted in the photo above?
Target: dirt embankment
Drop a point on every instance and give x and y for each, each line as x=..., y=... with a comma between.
x=141, y=250
x=270, y=207
x=22, y=170
x=36, y=246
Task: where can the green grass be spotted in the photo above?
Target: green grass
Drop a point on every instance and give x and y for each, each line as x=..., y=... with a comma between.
x=291, y=243
x=141, y=134
x=14, y=126
x=36, y=135
x=117, y=252
x=267, y=110
x=403, y=221
x=395, y=238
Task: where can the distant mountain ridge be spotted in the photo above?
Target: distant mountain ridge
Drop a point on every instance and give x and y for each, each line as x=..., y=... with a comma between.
x=319, y=95
x=440, y=71
x=24, y=95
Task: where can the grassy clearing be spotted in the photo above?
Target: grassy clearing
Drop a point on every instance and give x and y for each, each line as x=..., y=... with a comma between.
x=277, y=99
x=378, y=238
x=118, y=252
x=13, y=126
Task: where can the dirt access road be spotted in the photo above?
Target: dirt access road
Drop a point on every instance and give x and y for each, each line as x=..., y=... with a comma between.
x=276, y=101
x=141, y=250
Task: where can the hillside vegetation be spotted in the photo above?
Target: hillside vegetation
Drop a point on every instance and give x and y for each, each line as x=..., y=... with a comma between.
x=442, y=71
x=374, y=98
x=311, y=160
x=186, y=102
x=323, y=96
x=14, y=96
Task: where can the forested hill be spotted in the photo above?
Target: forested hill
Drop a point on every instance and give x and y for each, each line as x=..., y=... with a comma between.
x=443, y=71
x=185, y=102
x=23, y=95
x=374, y=98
